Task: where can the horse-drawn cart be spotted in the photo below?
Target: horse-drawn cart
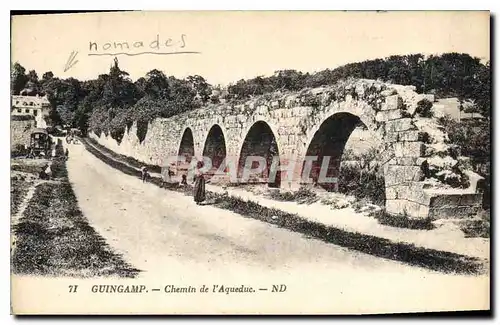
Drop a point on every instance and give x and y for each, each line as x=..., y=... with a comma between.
x=40, y=143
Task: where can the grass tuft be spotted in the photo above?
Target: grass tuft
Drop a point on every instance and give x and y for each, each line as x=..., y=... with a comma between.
x=401, y=221
x=303, y=196
x=477, y=227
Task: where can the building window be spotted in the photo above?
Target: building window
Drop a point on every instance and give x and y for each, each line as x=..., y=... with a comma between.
x=19, y=110
x=35, y=112
x=27, y=110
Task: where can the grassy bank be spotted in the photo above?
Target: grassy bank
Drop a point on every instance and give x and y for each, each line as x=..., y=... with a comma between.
x=23, y=173
x=129, y=160
x=54, y=238
x=380, y=247
x=18, y=189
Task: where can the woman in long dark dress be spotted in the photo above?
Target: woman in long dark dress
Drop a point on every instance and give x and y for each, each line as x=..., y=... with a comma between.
x=199, y=184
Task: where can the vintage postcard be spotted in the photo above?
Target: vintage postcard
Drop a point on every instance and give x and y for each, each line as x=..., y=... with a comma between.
x=250, y=162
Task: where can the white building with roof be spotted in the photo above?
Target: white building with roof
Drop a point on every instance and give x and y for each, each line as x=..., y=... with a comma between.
x=36, y=106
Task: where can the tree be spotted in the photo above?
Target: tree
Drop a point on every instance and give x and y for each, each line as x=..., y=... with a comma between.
x=47, y=76
x=33, y=76
x=43, y=84
x=81, y=119
x=18, y=78
x=53, y=118
x=110, y=97
x=118, y=90
x=156, y=84
x=66, y=115
x=140, y=84
x=202, y=88
x=182, y=97
x=398, y=71
x=32, y=86
x=481, y=89
x=288, y=79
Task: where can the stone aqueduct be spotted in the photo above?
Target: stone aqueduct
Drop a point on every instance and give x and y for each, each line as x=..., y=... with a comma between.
x=310, y=122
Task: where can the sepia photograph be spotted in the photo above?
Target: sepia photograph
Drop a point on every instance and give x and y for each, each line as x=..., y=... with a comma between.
x=250, y=162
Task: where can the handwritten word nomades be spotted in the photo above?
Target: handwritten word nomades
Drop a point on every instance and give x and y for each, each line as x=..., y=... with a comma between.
x=157, y=44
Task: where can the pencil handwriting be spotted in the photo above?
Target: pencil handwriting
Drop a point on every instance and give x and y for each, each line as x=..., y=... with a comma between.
x=156, y=46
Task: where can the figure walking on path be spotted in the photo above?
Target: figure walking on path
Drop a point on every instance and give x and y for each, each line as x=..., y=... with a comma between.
x=46, y=172
x=168, y=175
x=199, y=184
x=144, y=173
x=184, y=180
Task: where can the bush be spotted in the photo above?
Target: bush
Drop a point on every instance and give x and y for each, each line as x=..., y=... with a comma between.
x=473, y=137
x=59, y=150
x=142, y=130
x=18, y=151
x=424, y=108
x=362, y=183
x=477, y=227
x=28, y=168
x=58, y=168
x=336, y=202
x=401, y=221
x=303, y=196
x=311, y=100
x=424, y=137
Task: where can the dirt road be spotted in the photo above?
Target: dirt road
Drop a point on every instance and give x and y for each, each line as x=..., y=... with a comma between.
x=167, y=236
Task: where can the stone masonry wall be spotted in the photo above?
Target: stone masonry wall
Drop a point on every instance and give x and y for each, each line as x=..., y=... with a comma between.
x=20, y=131
x=294, y=118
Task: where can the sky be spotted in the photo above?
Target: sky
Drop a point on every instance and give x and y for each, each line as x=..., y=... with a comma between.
x=237, y=45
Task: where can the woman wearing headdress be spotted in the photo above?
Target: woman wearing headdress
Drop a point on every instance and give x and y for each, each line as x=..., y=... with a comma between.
x=199, y=184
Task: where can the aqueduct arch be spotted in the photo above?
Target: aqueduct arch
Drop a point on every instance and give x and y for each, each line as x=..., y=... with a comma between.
x=215, y=148
x=186, y=150
x=260, y=140
x=327, y=147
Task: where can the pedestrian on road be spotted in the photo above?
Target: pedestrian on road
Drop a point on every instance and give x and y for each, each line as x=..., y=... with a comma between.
x=165, y=178
x=144, y=173
x=184, y=180
x=167, y=175
x=171, y=172
x=66, y=153
x=42, y=174
x=199, y=184
x=46, y=172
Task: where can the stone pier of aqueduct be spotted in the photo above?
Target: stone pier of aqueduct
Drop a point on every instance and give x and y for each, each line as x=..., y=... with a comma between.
x=315, y=122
